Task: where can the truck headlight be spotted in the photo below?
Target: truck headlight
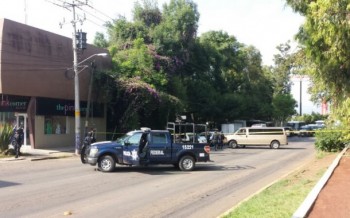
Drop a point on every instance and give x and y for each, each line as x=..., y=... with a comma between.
x=93, y=151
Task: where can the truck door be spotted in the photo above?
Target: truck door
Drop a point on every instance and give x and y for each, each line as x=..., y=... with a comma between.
x=130, y=149
x=160, y=149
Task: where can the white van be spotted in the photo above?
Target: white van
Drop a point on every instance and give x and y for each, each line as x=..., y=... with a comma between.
x=270, y=136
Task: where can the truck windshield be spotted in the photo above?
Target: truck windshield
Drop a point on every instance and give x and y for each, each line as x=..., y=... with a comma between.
x=131, y=138
x=122, y=139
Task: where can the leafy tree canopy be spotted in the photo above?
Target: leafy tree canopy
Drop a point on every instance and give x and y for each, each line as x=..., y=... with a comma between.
x=214, y=77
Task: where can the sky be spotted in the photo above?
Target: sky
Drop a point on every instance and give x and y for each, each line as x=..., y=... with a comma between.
x=263, y=24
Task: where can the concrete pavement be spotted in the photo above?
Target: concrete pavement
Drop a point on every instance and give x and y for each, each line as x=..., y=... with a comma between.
x=41, y=154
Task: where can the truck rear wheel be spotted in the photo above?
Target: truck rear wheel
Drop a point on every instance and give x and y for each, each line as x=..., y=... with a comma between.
x=186, y=163
x=106, y=163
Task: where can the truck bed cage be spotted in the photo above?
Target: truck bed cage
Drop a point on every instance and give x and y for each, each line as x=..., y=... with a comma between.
x=185, y=132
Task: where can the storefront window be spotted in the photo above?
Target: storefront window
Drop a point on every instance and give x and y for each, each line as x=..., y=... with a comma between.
x=7, y=118
x=55, y=125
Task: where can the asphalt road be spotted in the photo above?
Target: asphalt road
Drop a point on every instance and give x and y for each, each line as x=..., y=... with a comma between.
x=54, y=188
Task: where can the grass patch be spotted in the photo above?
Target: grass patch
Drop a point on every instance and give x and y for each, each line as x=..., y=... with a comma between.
x=283, y=198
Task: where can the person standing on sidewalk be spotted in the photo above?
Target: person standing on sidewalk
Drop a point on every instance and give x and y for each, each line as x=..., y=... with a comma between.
x=17, y=140
x=221, y=138
x=215, y=140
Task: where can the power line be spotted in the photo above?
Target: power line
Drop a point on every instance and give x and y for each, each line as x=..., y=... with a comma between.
x=100, y=12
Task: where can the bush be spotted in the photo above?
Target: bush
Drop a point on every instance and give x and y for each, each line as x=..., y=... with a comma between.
x=330, y=140
x=5, y=135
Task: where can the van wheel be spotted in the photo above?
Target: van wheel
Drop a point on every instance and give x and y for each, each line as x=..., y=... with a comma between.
x=106, y=163
x=186, y=163
x=275, y=144
x=233, y=144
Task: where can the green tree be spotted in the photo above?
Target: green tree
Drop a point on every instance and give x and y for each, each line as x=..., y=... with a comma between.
x=283, y=107
x=138, y=62
x=147, y=13
x=214, y=77
x=100, y=40
x=282, y=70
x=326, y=42
x=176, y=33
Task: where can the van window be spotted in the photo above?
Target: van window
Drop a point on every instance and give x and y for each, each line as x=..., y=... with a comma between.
x=241, y=132
x=267, y=131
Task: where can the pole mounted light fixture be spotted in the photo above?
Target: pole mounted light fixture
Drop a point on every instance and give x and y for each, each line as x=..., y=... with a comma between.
x=94, y=55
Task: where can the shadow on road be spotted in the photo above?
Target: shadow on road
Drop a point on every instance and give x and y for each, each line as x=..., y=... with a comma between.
x=171, y=170
x=4, y=184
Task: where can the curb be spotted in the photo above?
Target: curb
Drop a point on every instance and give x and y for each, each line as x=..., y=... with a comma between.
x=44, y=158
x=310, y=199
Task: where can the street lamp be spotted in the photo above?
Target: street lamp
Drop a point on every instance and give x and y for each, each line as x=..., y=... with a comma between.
x=77, y=100
x=99, y=54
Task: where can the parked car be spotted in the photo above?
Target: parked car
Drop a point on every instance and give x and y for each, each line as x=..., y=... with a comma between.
x=306, y=131
x=289, y=131
x=309, y=130
x=205, y=137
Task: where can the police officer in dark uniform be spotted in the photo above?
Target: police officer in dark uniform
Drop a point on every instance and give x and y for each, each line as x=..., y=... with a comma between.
x=215, y=140
x=88, y=140
x=17, y=140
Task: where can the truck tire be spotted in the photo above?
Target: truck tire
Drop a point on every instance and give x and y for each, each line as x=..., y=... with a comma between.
x=275, y=144
x=186, y=163
x=233, y=144
x=106, y=163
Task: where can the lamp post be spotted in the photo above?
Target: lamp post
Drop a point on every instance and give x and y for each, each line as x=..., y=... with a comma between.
x=77, y=99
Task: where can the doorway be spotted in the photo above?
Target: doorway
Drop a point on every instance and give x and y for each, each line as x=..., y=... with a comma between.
x=22, y=121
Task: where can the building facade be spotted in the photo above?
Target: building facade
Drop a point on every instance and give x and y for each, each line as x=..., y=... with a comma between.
x=37, y=85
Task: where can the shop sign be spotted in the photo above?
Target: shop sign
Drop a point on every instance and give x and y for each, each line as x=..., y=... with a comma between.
x=59, y=107
x=11, y=103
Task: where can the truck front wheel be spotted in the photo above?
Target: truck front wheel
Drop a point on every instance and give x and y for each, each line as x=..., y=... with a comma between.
x=186, y=163
x=106, y=163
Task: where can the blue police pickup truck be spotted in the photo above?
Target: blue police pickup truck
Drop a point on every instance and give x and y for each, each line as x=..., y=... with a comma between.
x=146, y=147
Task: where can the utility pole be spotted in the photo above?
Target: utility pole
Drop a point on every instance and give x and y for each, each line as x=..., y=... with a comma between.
x=73, y=5
x=300, y=97
x=25, y=12
x=76, y=86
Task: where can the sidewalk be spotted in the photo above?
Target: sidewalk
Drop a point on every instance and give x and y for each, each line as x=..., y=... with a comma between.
x=41, y=154
x=331, y=195
x=334, y=198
